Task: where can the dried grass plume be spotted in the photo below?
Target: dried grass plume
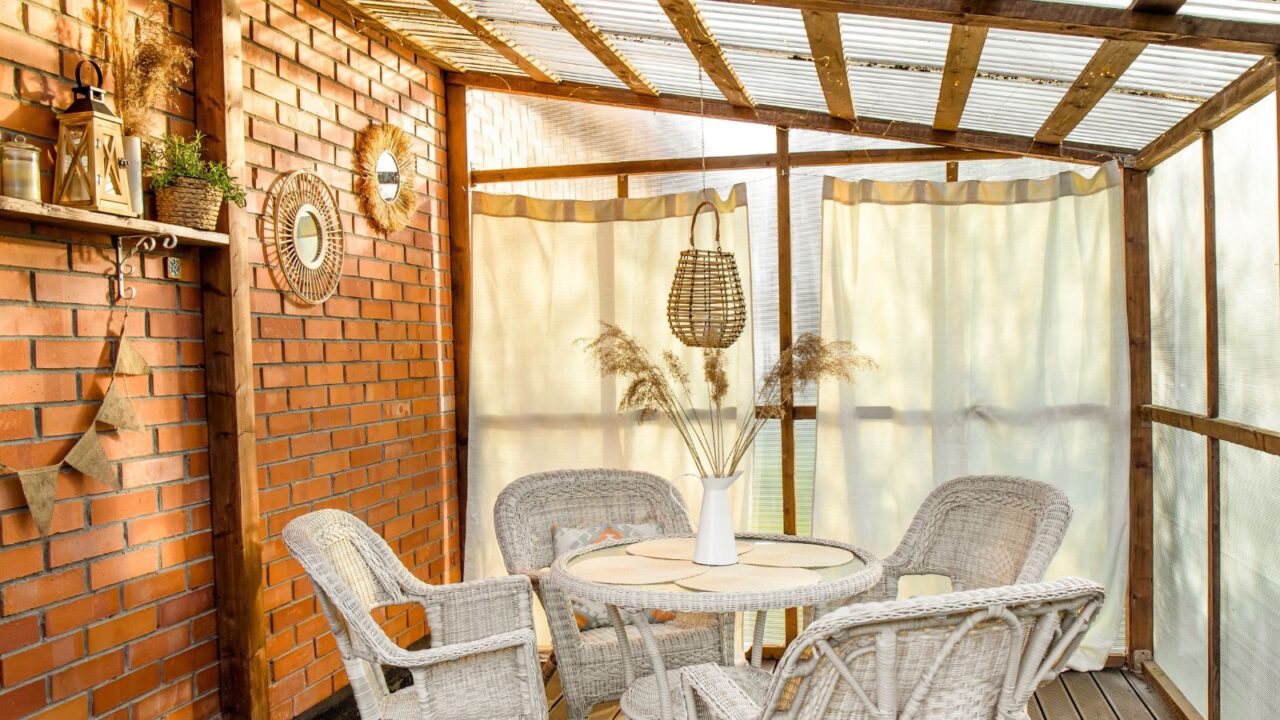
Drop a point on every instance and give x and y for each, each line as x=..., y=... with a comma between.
x=145, y=59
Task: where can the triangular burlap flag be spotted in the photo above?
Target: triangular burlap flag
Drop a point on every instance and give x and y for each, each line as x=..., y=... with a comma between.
x=117, y=410
x=129, y=361
x=89, y=458
x=40, y=486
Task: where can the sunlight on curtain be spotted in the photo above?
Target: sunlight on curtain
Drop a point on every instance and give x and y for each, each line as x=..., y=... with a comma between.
x=996, y=312
x=1249, y=304
x=545, y=274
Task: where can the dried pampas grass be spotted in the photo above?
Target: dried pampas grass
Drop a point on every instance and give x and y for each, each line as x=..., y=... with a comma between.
x=146, y=61
x=386, y=215
x=662, y=388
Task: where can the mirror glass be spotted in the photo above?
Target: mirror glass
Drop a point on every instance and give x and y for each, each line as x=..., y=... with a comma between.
x=388, y=173
x=308, y=237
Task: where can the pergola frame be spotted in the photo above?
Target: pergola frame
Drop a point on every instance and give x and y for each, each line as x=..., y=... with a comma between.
x=225, y=271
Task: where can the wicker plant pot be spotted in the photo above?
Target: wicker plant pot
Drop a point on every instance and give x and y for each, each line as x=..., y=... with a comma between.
x=190, y=202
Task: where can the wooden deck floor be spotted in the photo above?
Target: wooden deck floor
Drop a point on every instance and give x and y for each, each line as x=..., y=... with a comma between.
x=1106, y=695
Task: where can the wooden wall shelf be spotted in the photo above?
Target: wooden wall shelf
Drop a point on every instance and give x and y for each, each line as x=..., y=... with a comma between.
x=89, y=221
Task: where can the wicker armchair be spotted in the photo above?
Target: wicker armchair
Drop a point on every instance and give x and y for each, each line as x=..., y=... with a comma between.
x=974, y=655
x=980, y=531
x=590, y=663
x=483, y=656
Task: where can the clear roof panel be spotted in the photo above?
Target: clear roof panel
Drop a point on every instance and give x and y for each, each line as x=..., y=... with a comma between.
x=895, y=94
x=1017, y=108
x=559, y=51
x=1129, y=121
x=779, y=80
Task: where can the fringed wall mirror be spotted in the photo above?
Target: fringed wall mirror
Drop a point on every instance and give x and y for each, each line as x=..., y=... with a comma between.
x=384, y=176
x=302, y=225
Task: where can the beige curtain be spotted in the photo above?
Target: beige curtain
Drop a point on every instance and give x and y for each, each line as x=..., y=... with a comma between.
x=996, y=312
x=546, y=273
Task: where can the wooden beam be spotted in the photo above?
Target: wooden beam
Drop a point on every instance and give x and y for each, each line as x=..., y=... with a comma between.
x=1213, y=454
x=1139, y=600
x=788, y=117
x=817, y=158
x=953, y=171
x=1253, y=85
x=458, y=172
x=624, y=186
x=464, y=16
x=1168, y=691
x=964, y=52
x=1108, y=63
x=782, y=174
x=827, y=47
x=1236, y=433
x=226, y=279
x=572, y=19
x=1061, y=18
x=693, y=29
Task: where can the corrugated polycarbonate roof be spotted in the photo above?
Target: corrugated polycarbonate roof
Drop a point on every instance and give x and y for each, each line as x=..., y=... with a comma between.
x=895, y=65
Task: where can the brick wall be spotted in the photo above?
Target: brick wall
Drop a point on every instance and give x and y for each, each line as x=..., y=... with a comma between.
x=113, y=615
x=354, y=405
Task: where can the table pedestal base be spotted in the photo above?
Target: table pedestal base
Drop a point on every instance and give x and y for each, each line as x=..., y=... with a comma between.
x=642, y=702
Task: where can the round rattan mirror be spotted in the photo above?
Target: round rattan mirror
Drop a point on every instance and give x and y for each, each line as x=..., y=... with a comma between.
x=303, y=222
x=384, y=176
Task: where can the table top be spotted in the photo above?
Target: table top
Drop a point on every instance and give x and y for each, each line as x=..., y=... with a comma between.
x=836, y=583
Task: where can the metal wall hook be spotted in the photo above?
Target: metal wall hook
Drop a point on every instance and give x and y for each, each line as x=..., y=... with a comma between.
x=140, y=244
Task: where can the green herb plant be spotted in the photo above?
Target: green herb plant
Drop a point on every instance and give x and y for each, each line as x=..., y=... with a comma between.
x=174, y=156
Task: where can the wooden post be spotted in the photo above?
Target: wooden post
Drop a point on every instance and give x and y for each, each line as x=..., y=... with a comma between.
x=953, y=171
x=459, y=173
x=228, y=350
x=624, y=186
x=1138, y=606
x=788, y=421
x=1213, y=469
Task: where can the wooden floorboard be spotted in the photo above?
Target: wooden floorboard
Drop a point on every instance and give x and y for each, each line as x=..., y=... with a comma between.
x=1103, y=695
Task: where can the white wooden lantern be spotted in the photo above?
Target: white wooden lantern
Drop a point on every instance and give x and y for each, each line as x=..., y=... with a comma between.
x=91, y=163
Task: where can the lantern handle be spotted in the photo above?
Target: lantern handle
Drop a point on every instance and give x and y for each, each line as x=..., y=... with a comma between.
x=96, y=68
x=693, y=224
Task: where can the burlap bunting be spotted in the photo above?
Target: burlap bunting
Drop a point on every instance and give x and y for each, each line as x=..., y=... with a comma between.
x=40, y=485
x=129, y=361
x=89, y=458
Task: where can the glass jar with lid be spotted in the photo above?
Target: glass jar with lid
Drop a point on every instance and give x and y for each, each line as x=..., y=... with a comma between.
x=20, y=169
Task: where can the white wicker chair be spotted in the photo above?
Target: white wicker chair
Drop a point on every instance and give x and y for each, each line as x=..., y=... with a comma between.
x=483, y=656
x=974, y=655
x=980, y=531
x=589, y=662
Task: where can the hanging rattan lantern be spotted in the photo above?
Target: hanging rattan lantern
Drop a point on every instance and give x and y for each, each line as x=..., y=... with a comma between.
x=706, y=308
x=91, y=163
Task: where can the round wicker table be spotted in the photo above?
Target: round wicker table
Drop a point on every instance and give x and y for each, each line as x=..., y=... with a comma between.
x=657, y=696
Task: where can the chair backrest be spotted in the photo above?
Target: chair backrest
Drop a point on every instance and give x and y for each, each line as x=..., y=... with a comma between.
x=353, y=571
x=986, y=531
x=525, y=509
x=975, y=655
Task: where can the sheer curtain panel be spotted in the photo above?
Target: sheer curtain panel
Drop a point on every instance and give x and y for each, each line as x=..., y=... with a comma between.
x=996, y=312
x=545, y=274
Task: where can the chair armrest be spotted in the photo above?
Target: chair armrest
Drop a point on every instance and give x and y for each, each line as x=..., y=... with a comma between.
x=707, y=685
x=396, y=656
x=470, y=611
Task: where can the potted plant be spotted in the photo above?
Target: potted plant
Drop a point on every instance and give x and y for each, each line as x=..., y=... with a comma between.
x=189, y=189
x=662, y=387
x=146, y=63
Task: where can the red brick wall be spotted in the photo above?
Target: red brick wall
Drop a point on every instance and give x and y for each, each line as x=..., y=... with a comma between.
x=353, y=402
x=113, y=614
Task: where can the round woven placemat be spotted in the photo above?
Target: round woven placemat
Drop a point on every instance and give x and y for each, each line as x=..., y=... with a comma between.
x=796, y=555
x=634, y=570
x=749, y=578
x=672, y=548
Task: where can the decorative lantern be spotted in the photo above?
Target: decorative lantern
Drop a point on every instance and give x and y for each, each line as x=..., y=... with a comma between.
x=91, y=162
x=706, y=308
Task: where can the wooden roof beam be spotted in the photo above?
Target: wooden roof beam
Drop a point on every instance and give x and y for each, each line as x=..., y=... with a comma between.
x=1060, y=18
x=1109, y=62
x=1253, y=85
x=964, y=52
x=693, y=29
x=827, y=47
x=572, y=19
x=472, y=23
x=788, y=117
